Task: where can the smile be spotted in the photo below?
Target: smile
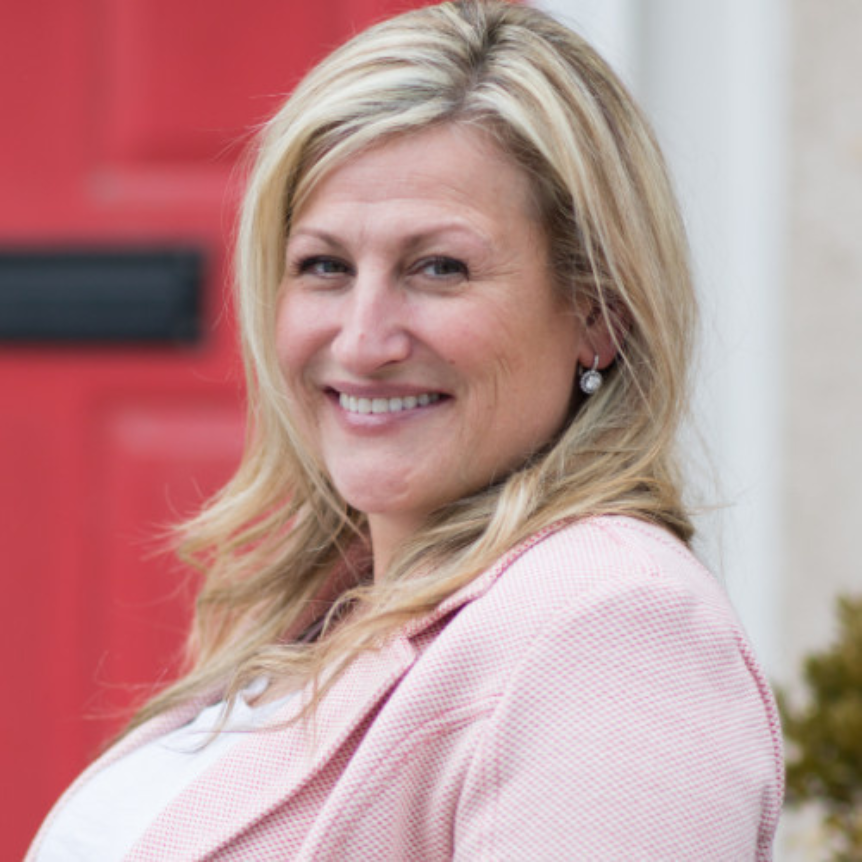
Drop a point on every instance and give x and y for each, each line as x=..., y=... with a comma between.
x=352, y=404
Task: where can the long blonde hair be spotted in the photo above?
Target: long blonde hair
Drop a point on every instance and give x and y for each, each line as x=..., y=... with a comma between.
x=278, y=533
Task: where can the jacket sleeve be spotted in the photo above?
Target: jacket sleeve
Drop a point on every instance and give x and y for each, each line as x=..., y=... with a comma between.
x=635, y=727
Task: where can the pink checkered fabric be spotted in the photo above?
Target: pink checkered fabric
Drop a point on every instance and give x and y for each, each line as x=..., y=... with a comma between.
x=590, y=697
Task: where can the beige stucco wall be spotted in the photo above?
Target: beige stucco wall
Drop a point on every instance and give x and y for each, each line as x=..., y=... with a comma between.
x=823, y=341
x=823, y=347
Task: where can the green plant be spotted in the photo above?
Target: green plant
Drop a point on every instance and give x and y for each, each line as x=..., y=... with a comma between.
x=824, y=735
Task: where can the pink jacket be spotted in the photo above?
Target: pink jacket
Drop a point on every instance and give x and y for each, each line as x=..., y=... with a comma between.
x=590, y=697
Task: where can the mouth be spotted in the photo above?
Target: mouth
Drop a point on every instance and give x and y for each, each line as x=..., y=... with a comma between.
x=364, y=405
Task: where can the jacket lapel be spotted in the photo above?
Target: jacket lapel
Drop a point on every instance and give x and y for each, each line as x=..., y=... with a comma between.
x=269, y=767
x=159, y=726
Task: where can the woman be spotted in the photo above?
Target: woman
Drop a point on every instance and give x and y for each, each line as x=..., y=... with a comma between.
x=450, y=601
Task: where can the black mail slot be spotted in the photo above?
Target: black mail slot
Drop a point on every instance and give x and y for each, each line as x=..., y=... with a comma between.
x=114, y=295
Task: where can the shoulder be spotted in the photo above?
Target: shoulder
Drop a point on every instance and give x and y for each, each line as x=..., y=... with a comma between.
x=614, y=580
x=617, y=614
x=610, y=549
x=606, y=562
x=607, y=604
x=614, y=589
x=626, y=684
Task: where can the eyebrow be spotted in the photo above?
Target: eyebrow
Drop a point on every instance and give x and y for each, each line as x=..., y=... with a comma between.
x=314, y=233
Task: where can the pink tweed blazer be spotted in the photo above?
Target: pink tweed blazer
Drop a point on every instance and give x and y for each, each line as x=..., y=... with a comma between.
x=590, y=697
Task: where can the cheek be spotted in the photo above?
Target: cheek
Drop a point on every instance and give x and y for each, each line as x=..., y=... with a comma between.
x=538, y=373
x=522, y=356
x=488, y=339
x=294, y=343
x=497, y=361
x=296, y=340
x=285, y=342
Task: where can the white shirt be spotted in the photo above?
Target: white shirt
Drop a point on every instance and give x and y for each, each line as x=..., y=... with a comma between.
x=105, y=818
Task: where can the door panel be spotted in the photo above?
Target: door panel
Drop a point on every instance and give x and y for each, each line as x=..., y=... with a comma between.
x=123, y=122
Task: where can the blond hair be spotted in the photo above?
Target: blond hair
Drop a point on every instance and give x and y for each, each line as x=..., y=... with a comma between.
x=278, y=532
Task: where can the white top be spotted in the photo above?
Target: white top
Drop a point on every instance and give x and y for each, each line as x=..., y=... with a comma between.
x=105, y=818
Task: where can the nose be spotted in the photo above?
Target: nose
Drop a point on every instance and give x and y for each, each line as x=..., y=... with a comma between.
x=372, y=330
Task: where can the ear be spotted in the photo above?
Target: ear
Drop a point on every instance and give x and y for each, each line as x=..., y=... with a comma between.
x=605, y=327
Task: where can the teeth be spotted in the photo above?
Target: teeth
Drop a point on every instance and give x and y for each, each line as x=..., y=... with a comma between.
x=386, y=405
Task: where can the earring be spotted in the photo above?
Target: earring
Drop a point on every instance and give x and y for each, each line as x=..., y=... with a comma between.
x=591, y=380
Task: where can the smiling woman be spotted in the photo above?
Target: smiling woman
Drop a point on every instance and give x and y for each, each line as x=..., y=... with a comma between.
x=418, y=272
x=449, y=593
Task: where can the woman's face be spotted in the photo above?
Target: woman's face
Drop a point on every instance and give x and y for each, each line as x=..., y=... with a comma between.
x=424, y=348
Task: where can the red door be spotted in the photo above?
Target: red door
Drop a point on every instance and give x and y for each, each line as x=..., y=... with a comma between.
x=122, y=121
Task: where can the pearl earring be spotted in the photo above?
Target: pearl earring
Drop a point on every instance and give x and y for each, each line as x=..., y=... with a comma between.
x=591, y=380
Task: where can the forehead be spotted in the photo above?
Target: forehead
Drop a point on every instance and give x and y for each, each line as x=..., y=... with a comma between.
x=449, y=163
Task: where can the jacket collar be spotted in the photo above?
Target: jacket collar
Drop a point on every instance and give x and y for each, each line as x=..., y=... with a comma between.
x=288, y=758
x=285, y=760
x=481, y=584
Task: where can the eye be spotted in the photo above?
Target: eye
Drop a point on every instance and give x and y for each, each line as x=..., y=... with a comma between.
x=443, y=267
x=321, y=265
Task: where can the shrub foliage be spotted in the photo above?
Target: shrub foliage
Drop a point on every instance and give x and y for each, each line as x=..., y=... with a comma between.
x=825, y=735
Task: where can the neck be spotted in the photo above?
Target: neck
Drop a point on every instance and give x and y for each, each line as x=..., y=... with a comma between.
x=388, y=534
